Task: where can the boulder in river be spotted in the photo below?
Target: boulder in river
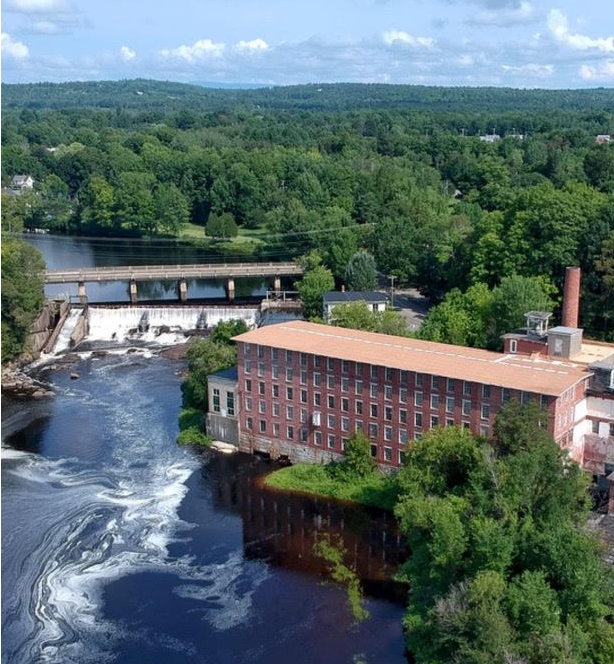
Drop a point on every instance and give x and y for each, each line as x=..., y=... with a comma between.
x=74, y=376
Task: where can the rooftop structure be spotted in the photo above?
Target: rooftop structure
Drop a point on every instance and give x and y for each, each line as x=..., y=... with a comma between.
x=375, y=300
x=458, y=362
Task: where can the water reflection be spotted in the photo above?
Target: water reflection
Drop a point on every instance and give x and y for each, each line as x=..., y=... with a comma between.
x=282, y=527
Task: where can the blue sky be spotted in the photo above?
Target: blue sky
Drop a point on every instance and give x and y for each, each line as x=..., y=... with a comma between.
x=520, y=43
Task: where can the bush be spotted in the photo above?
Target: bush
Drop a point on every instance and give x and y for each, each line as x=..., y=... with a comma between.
x=194, y=435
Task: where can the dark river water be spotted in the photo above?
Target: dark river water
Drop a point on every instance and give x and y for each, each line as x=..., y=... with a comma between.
x=120, y=546
x=61, y=252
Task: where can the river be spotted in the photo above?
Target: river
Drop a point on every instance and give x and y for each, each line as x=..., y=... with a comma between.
x=120, y=546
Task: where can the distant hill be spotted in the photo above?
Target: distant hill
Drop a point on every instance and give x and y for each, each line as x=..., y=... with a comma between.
x=146, y=94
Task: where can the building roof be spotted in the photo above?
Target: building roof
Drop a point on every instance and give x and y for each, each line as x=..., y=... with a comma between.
x=226, y=374
x=353, y=296
x=537, y=375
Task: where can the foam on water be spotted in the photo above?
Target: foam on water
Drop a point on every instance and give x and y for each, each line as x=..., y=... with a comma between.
x=89, y=524
x=63, y=341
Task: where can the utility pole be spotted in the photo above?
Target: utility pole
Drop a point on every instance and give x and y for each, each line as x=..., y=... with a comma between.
x=392, y=278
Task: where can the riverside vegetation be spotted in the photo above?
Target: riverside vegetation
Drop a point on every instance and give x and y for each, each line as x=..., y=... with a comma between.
x=502, y=566
x=398, y=171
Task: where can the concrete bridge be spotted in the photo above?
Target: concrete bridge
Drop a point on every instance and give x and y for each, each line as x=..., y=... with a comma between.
x=136, y=273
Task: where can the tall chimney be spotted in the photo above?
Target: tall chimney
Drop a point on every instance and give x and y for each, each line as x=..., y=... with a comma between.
x=571, y=297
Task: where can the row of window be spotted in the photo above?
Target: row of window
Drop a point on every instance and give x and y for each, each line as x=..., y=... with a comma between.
x=230, y=402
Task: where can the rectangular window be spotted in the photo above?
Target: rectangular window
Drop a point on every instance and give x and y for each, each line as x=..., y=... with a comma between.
x=330, y=382
x=418, y=399
x=345, y=423
x=388, y=373
x=374, y=451
x=418, y=380
x=373, y=410
x=317, y=381
x=403, y=395
x=484, y=430
x=449, y=384
x=466, y=407
x=434, y=401
x=345, y=385
x=260, y=369
x=303, y=359
x=274, y=372
x=331, y=421
x=358, y=387
x=330, y=364
x=331, y=440
x=449, y=404
x=358, y=425
x=216, y=400
x=289, y=374
x=260, y=351
x=246, y=350
x=317, y=399
x=418, y=419
x=466, y=425
x=449, y=422
x=485, y=412
x=373, y=389
x=373, y=371
x=359, y=408
x=289, y=393
x=525, y=397
x=289, y=412
x=404, y=377
x=434, y=382
x=344, y=443
x=331, y=401
x=248, y=385
x=291, y=433
x=403, y=436
x=506, y=395
x=276, y=429
x=434, y=421
x=247, y=366
x=262, y=426
x=230, y=403
x=543, y=401
x=388, y=413
x=387, y=453
x=275, y=390
x=303, y=378
x=595, y=426
x=303, y=396
x=249, y=423
x=261, y=388
x=317, y=438
x=357, y=369
x=403, y=416
x=513, y=345
x=304, y=435
x=402, y=457
x=274, y=353
x=316, y=361
x=373, y=430
x=288, y=357
x=248, y=403
x=345, y=404
x=466, y=388
x=387, y=433
x=262, y=406
x=345, y=366
x=303, y=415
x=612, y=429
x=485, y=391
x=388, y=392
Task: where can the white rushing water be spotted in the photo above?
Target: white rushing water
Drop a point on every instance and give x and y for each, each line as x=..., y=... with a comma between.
x=63, y=341
x=160, y=324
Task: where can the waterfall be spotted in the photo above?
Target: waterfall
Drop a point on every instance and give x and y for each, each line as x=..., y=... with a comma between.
x=63, y=340
x=161, y=324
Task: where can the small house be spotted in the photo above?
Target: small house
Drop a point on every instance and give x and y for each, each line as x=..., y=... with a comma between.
x=22, y=182
x=375, y=300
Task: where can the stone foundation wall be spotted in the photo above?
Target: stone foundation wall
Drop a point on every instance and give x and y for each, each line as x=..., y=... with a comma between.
x=295, y=452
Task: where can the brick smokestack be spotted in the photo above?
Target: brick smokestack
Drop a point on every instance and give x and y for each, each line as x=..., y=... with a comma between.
x=571, y=297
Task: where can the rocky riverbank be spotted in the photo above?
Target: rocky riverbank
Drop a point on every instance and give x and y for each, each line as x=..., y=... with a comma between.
x=19, y=385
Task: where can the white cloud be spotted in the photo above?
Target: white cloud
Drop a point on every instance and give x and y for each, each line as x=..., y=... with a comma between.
x=559, y=27
x=530, y=69
x=523, y=13
x=36, y=6
x=251, y=46
x=465, y=60
x=14, y=49
x=400, y=37
x=200, y=49
x=602, y=72
x=127, y=53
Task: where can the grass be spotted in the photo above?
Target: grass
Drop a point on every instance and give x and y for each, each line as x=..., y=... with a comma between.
x=247, y=236
x=374, y=490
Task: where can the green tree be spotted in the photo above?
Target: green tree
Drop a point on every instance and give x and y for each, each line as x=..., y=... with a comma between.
x=354, y=315
x=360, y=273
x=221, y=226
x=23, y=274
x=316, y=281
x=171, y=209
x=357, y=455
x=204, y=357
x=99, y=204
x=225, y=330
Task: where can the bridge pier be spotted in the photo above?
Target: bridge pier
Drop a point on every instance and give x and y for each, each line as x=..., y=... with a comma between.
x=231, y=289
x=133, y=292
x=183, y=290
x=81, y=292
x=277, y=283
